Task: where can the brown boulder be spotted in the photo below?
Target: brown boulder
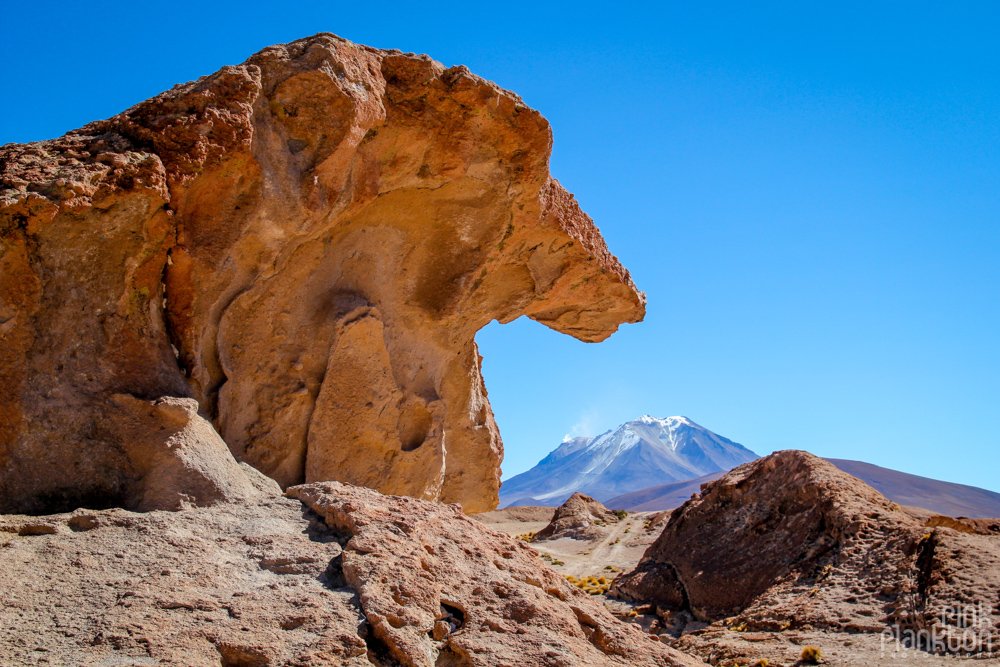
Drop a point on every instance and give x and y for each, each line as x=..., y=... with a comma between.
x=580, y=518
x=371, y=579
x=790, y=541
x=306, y=244
x=177, y=458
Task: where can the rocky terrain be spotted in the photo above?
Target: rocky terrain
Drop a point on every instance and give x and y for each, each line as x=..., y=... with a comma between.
x=306, y=245
x=637, y=454
x=269, y=276
x=790, y=542
x=724, y=642
x=229, y=309
x=331, y=575
x=581, y=539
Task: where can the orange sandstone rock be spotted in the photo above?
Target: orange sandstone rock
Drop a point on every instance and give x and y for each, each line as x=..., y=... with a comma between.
x=306, y=244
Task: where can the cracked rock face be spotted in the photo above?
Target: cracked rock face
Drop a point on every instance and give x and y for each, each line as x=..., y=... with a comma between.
x=346, y=577
x=306, y=244
x=233, y=584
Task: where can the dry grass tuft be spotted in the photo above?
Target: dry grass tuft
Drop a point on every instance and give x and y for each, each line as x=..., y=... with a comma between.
x=811, y=655
x=592, y=585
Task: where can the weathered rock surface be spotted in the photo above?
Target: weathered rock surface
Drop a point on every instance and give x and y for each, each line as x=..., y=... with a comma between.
x=306, y=244
x=364, y=579
x=415, y=563
x=580, y=518
x=233, y=584
x=179, y=458
x=790, y=541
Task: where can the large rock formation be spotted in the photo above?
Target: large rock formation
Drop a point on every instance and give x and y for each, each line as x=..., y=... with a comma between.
x=350, y=578
x=306, y=244
x=790, y=541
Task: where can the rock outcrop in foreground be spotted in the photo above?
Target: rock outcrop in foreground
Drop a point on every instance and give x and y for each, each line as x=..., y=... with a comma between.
x=305, y=244
x=790, y=541
x=580, y=518
x=345, y=577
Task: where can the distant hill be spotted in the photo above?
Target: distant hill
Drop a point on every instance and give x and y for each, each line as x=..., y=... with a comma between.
x=663, y=496
x=645, y=452
x=945, y=498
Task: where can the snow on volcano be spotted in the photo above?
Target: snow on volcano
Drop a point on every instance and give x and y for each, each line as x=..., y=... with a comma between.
x=638, y=454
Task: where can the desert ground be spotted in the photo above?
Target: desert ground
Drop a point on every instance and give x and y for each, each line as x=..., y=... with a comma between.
x=716, y=644
x=620, y=548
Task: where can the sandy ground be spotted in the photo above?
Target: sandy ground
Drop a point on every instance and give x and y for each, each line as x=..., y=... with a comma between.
x=622, y=550
x=621, y=546
x=839, y=650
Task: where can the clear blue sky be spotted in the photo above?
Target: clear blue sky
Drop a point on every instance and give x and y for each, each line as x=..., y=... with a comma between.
x=808, y=195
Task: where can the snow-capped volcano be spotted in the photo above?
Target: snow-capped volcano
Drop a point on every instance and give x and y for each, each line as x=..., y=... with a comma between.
x=640, y=453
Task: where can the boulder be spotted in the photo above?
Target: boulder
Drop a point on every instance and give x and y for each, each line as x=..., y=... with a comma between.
x=177, y=459
x=305, y=244
x=789, y=541
x=579, y=518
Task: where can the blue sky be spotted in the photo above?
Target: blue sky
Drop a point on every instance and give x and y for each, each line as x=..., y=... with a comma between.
x=808, y=196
